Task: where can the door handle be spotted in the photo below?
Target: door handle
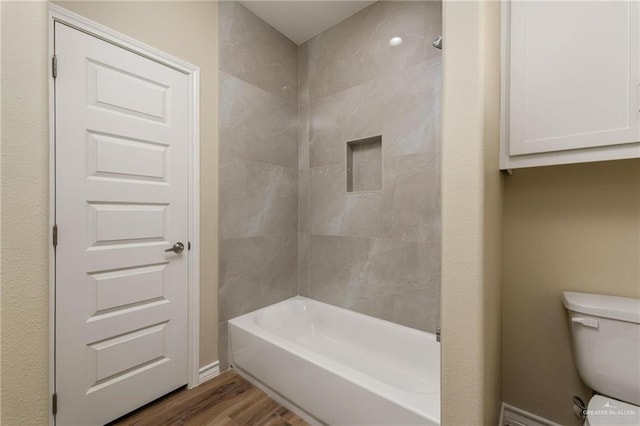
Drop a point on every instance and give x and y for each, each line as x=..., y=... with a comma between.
x=176, y=248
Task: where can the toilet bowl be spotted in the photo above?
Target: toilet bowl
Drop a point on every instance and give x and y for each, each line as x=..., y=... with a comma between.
x=605, y=332
x=604, y=411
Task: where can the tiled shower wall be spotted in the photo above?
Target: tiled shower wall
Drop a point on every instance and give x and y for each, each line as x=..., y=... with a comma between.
x=287, y=223
x=378, y=251
x=258, y=166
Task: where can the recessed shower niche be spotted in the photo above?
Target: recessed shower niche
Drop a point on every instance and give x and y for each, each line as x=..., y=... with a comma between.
x=364, y=164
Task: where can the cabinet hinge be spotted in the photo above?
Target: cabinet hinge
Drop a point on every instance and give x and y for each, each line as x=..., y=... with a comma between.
x=54, y=66
x=55, y=235
x=189, y=245
x=54, y=403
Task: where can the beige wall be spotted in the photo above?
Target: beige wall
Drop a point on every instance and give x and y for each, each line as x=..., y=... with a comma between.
x=574, y=228
x=25, y=177
x=25, y=180
x=471, y=214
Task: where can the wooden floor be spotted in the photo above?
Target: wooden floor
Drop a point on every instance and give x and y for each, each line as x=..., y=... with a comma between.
x=227, y=400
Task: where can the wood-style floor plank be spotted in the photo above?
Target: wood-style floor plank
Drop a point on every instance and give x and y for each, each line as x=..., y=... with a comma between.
x=289, y=417
x=260, y=410
x=227, y=400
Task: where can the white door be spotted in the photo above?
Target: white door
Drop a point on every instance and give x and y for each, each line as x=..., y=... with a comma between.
x=574, y=75
x=121, y=126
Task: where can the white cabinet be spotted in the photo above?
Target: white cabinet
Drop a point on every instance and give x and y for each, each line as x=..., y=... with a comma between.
x=570, y=82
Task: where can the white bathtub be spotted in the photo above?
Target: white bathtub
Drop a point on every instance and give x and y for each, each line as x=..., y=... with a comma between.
x=340, y=367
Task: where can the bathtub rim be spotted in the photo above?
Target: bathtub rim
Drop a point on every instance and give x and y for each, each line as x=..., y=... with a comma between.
x=371, y=384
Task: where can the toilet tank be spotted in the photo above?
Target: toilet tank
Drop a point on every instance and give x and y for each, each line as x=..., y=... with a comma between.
x=605, y=332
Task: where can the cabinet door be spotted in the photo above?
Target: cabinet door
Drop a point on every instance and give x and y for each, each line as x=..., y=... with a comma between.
x=574, y=75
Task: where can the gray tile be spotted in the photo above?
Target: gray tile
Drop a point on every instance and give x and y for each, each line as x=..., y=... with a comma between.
x=399, y=267
x=411, y=198
x=352, y=114
x=257, y=199
x=377, y=277
x=303, y=74
x=362, y=215
x=256, y=272
x=303, y=264
x=357, y=49
x=303, y=200
x=404, y=108
x=333, y=211
x=256, y=125
x=253, y=51
x=419, y=309
x=336, y=265
x=327, y=199
x=303, y=137
x=412, y=111
x=223, y=345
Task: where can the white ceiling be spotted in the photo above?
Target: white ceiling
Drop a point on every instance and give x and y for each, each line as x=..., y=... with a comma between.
x=302, y=20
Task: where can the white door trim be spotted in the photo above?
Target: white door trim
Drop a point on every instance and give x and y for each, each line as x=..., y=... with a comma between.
x=59, y=14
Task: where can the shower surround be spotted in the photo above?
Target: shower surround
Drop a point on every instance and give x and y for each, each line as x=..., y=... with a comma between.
x=376, y=252
x=288, y=224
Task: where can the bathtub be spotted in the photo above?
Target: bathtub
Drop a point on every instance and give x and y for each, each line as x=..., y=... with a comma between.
x=337, y=366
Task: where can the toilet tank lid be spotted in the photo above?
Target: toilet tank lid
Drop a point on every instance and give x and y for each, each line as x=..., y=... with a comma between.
x=620, y=308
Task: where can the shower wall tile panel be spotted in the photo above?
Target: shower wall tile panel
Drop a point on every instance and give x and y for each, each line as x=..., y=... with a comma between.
x=404, y=108
x=334, y=211
x=257, y=125
x=223, y=344
x=257, y=199
x=377, y=276
x=258, y=166
x=253, y=51
x=303, y=74
x=357, y=49
x=411, y=198
x=256, y=272
x=303, y=200
x=303, y=264
x=374, y=252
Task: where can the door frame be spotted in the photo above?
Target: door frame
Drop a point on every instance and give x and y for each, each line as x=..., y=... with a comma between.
x=78, y=22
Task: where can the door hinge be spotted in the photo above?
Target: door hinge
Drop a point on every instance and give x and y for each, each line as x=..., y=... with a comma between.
x=189, y=245
x=54, y=403
x=54, y=66
x=55, y=235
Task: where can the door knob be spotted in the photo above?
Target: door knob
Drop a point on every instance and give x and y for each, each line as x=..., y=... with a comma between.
x=176, y=248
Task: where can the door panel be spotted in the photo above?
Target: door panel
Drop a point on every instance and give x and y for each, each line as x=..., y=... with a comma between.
x=574, y=75
x=121, y=200
x=116, y=157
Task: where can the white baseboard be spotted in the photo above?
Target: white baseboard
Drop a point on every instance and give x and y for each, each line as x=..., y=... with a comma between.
x=513, y=416
x=209, y=371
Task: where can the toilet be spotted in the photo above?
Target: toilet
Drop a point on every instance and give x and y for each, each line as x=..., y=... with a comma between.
x=605, y=332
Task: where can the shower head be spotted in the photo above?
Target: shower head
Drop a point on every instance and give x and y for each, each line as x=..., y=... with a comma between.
x=437, y=43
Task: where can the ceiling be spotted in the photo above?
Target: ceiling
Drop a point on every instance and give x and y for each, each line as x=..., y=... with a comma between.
x=302, y=20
